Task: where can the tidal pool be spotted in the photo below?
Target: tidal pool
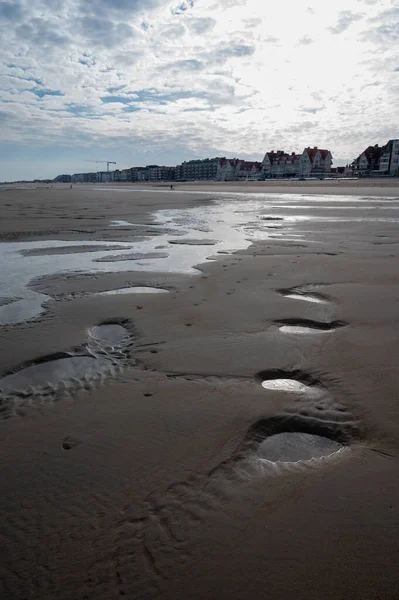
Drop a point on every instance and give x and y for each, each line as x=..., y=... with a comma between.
x=296, y=446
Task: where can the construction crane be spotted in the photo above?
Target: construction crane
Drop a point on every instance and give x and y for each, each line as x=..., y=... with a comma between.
x=109, y=162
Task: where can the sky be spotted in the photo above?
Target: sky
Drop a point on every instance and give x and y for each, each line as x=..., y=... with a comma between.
x=158, y=82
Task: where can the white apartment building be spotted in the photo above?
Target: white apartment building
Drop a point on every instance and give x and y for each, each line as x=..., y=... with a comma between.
x=313, y=161
x=84, y=178
x=226, y=169
x=280, y=164
x=194, y=170
x=248, y=170
x=394, y=165
x=105, y=176
x=229, y=169
x=389, y=160
x=368, y=161
x=269, y=163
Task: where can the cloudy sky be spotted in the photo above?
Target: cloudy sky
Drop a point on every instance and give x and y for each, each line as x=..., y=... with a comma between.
x=159, y=81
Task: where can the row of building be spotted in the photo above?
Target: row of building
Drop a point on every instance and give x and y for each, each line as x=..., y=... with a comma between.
x=378, y=160
x=135, y=174
x=312, y=162
x=192, y=170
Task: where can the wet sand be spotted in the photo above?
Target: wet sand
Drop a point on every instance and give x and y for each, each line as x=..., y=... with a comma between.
x=369, y=187
x=143, y=479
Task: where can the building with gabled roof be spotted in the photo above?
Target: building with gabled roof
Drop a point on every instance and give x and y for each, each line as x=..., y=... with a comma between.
x=367, y=161
x=248, y=169
x=230, y=169
x=315, y=162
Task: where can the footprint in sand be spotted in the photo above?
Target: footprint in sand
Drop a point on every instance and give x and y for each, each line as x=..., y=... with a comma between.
x=304, y=292
x=297, y=294
x=47, y=378
x=70, y=442
x=311, y=409
x=315, y=430
x=308, y=326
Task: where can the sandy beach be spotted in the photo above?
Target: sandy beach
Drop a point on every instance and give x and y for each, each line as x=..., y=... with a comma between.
x=141, y=450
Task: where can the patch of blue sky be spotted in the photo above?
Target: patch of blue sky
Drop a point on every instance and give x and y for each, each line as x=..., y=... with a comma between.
x=182, y=7
x=129, y=109
x=33, y=80
x=121, y=99
x=117, y=88
x=40, y=93
x=87, y=59
x=79, y=110
x=14, y=66
x=194, y=109
x=152, y=95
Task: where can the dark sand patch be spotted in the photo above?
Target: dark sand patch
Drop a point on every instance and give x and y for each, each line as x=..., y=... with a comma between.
x=70, y=442
x=69, y=250
x=132, y=256
x=272, y=218
x=5, y=301
x=193, y=242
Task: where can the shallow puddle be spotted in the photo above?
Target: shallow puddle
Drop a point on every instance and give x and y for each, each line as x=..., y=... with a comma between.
x=296, y=446
x=20, y=262
x=134, y=290
x=106, y=351
x=110, y=334
x=69, y=250
x=54, y=372
x=5, y=301
x=23, y=309
x=297, y=329
x=193, y=242
x=230, y=223
x=306, y=298
x=132, y=256
x=290, y=385
x=120, y=223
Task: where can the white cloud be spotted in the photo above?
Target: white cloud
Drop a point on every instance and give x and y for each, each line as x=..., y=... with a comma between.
x=345, y=20
x=195, y=77
x=305, y=40
x=200, y=25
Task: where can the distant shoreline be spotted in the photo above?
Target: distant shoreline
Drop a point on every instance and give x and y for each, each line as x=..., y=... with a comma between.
x=358, y=187
x=361, y=187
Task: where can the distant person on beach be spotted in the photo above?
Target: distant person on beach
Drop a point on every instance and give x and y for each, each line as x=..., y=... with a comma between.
x=171, y=187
